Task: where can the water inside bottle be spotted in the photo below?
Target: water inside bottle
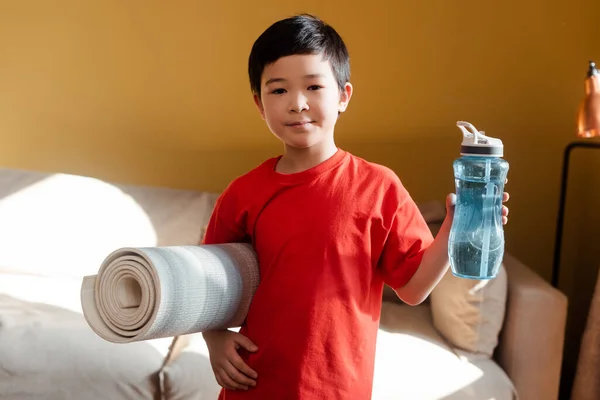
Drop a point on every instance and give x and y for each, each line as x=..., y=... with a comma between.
x=476, y=252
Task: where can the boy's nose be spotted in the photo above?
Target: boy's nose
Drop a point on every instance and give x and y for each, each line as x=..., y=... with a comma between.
x=298, y=104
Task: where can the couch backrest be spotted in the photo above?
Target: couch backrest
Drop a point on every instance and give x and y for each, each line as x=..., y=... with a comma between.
x=65, y=225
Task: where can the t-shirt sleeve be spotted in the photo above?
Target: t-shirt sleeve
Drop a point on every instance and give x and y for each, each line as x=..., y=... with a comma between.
x=407, y=240
x=225, y=224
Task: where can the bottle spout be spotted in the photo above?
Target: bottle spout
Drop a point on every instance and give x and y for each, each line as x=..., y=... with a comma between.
x=477, y=143
x=468, y=130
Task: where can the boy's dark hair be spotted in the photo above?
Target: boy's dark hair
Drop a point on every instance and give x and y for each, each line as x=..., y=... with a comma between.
x=301, y=34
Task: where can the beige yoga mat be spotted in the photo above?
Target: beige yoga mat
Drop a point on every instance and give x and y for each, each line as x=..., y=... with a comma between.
x=156, y=292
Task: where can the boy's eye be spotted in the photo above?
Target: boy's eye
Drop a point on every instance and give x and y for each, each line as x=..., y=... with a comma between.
x=315, y=87
x=278, y=91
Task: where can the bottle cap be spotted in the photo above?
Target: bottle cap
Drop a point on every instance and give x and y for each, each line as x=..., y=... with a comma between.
x=476, y=143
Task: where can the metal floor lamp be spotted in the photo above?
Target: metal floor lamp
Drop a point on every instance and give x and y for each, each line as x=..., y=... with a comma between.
x=588, y=122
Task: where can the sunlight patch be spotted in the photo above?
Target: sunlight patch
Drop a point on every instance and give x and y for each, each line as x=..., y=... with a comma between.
x=408, y=367
x=65, y=225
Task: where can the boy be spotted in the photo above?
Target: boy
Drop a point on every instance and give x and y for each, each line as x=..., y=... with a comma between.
x=329, y=230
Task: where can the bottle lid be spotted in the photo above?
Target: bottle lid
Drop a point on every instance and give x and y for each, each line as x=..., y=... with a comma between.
x=476, y=143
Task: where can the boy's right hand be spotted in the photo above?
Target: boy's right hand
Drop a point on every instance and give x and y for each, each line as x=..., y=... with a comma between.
x=230, y=370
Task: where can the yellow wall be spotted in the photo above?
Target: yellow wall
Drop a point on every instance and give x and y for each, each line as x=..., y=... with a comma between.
x=156, y=92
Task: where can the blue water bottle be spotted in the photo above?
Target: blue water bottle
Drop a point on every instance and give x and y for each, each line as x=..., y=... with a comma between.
x=476, y=244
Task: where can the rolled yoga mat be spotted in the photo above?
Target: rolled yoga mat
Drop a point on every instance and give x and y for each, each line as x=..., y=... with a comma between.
x=155, y=292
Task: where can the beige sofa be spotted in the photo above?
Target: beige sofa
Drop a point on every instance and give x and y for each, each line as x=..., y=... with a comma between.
x=56, y=228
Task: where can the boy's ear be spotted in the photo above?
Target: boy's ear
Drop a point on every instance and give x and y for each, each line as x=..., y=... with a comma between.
x=345, y=96
x=259, y=105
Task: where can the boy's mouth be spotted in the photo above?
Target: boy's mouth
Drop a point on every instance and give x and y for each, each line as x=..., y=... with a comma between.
x=299, y=123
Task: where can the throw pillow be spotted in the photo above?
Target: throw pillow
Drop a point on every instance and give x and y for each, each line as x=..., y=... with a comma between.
x=470, y=313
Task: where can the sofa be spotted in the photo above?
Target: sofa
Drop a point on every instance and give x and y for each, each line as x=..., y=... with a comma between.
x=500, y=339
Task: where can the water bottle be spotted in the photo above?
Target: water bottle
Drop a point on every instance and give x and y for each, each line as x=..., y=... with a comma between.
x=476, y=244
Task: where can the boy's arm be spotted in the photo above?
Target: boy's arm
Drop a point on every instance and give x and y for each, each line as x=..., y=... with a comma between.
x=407, y=239
x=227, y=225
x=433, y=265
x=412, y=261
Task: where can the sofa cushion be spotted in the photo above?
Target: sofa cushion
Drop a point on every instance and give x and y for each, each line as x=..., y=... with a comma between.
x=190, y=375
x=470, y=313
x=414, y=362
x=49, y=352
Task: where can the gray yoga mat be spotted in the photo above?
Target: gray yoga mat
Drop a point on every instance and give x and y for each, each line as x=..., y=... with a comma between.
x=156, y=292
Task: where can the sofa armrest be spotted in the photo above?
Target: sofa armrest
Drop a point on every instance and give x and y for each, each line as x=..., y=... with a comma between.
x=530, y=347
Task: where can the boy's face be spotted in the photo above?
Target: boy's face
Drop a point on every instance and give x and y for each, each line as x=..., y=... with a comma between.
x=300, y=100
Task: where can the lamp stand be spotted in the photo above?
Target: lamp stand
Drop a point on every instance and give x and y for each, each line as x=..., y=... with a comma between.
x=586, y=144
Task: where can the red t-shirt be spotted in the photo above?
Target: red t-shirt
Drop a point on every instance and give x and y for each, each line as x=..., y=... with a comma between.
x=326, y=239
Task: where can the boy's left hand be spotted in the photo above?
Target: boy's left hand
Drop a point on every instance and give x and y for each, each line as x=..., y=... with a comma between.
x=451, y=202
x=505, y=197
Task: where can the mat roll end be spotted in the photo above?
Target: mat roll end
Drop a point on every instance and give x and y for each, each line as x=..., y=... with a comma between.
x=91, y=314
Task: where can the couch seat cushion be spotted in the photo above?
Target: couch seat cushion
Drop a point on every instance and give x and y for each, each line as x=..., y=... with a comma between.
x=48, y=351
x=414, y=362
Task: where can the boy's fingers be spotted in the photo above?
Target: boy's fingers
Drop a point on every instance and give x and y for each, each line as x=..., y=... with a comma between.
x=220, y=381
x=230, y=383
x=238, y=377
x=245, y=342
x=505, y=196
x=237, y=362
x=450, y=201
